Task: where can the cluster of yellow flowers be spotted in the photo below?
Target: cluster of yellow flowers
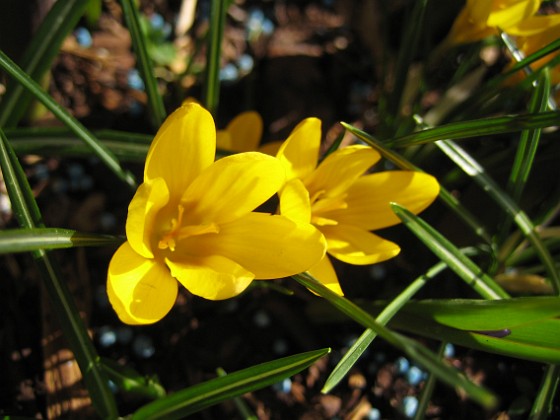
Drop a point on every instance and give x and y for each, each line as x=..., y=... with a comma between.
x=192, y=220
x=482, y=18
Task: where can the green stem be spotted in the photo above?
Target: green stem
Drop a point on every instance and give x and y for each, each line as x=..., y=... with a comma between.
x=217, y=22
x=428, y=389
x=543, y=403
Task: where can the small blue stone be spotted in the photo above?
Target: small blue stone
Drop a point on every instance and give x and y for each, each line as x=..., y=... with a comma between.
x=157, y=21
x=402, y=365
x=229, y=73
x=414, y=375
x=410, y=405
x=284, y=386
x=449, y=350
x=83, y=37
x=134, y=80
x=374, y=414
x=246, y=63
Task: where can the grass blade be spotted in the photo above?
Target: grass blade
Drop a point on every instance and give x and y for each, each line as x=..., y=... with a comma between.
x=25, y=240
x=362, y=343
x=206, y=394
x=211, y=97
x=542, y=405
x=145, y=65
x=28, y=216
x=39, y=55
x=413, y=349
x=479, y=176
x=479, y=127
x=462, y=265
x=75, y=126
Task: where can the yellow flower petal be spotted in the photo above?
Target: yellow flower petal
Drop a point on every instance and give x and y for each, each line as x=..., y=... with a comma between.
x=506, y=13
x=184, y=146
x=324, y=272
x=357, y=246
x=269, y=246
x=340, y=169
x=149, y=199
x=223, y=140
x=140, y=290
x=536, y=25
x=213, y=277
x=245, y=131
x=368, y=199
x=232, y=186
x=294, y=202
x=300, y=152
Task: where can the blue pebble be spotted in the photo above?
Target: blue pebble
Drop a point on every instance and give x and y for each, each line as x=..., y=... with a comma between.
x=267, y=27
x=374, y=414
x=83, y=37
x=402, y=365
x=414, y=375
x=143, y=346
x=107, y=336
x=410, y=405
x=246, y=63
x=134, y=80
x=157, y=21
x=284, y=386
x=229, y=73
x=449, y=350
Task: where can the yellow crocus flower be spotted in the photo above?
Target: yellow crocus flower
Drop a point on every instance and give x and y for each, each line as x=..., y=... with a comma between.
x=244, y=133
x=481, y=18
x=192, y=221
x=343, y=201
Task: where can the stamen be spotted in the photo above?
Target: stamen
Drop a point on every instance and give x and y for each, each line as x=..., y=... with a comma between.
x=178, y=232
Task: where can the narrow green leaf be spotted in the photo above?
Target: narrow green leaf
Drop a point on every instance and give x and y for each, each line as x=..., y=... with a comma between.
x=463, y=266
x=479, y=127
x=131, y=382
x=218, y=9
x=414, y=350
x=28, y=216
x=449, y=199
x=146, y=67
x=206, y=394
x=534, y=338
x=542, y=406
x=362, y=343
x=25, y=240
x=242, y=407
x=75, y=126
x=477, y=173
x=39, y=55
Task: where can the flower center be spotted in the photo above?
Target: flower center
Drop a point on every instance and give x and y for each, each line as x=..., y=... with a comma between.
x=178, y=231
x=321, y=204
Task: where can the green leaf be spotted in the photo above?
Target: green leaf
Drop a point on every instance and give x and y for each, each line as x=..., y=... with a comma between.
x=131, y=382
x=414, y=350
x=74, y=125
x=39, y=55
x=504, y=201
x=218, y=9
x=146, y=68
x=206, y=394
x=362, y=343
x=25, y=240
x=525, y=328
x=479, y=127
x=28, y=216
x=462, y=265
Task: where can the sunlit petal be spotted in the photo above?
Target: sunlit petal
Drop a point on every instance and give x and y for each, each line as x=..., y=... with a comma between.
x=269, y=246
x=369, y=198
x=357, y=246
x=140, y=290
x=300, y=152
x=324, y=272
x=211, y=277
x=340, y=169
x=233, y=186
x=183, y=147
x=294, y=202
x=245, y=131
x=511, y=12
x=535, y=25
x=149, y=199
